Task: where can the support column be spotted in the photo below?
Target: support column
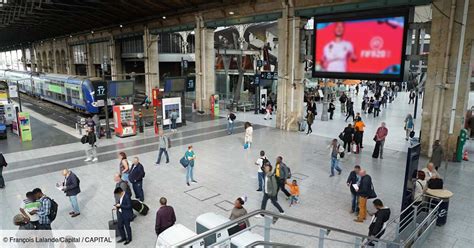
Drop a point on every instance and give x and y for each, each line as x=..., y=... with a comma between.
x=440, y=83
x=152, y=76
x=205, y=65
x=89, y=61
x=33, y=59
x=290, y=72
x=115, y=59
x=23, y=58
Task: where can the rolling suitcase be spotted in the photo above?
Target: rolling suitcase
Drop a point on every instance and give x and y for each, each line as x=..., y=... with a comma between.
x=140, y=207
x=113, y=224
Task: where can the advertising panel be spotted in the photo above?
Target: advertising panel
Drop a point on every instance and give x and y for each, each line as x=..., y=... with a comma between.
x=25, y=127
x=170, y=105
x=370, y=48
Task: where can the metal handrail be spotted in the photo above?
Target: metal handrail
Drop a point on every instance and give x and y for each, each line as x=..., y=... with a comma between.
x=394, y=220
x=415, y=232
x=272, y=244
x=275, y=215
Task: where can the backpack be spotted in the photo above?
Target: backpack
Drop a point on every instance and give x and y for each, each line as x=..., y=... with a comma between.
x=286, y=171
x=84, y=139
x=232, y=117
x=264, y=161
x=53, y=211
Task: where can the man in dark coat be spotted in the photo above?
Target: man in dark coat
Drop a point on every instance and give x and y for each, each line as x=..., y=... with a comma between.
x=165, y=217
x=377, y=225
x=125, y=215
x=351, y=180
x=438, y=154
x=70, y=186
x=365, y=191
x=137, y=173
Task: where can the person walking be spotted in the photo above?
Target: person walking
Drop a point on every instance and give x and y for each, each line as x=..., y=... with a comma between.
x=230, y=122
x=379, y=138
x=71, y=188
x=371, y=105
x=281, y=174
x=124, y=166
x=91, y=147
x=125, y=216
x=174, y=118
x=365, y=191
x=248, y=134
x=353, y=179
x=377, y=224
x=335, y=151
x=409, y=126
x=331, y=109
x=343, y=99
x=376, y=107
x=260, y=174
x=165, y=217
x=270, y=189
x=137, y=173
x=309, y=120
x=348, y=137
x=412, y=97
x=438, y=154
x=350, y=110
x=43, y=211
x=191, y=158
x=96, y=121
x=163, y=146
x=3, y=163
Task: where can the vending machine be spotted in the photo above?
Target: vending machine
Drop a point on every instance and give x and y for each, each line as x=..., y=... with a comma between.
x=124, y=121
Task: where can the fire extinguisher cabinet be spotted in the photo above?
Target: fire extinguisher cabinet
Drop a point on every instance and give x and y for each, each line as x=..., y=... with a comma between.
x=124, y=121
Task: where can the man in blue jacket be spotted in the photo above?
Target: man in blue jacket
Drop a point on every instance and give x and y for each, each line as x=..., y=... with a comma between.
x=137, y=173
x=70, y=186
x=125, y=215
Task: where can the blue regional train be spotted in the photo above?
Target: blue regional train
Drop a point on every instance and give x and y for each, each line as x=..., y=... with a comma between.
x=74, y=92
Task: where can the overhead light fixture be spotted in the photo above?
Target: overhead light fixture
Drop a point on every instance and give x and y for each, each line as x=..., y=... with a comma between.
x=70, y=36
x=231, y=12
x=121, y=26
x=164, y=17
x=92, y=31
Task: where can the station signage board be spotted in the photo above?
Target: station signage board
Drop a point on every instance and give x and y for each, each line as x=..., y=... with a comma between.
x=100, y=90
x=25, y=126
x=268, y=75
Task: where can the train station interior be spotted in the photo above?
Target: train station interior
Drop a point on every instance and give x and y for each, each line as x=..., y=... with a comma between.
x=115, y=111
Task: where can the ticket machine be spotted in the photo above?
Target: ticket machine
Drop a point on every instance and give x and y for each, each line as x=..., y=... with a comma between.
x=124, y=121
x=176, y=234
x=208, y=221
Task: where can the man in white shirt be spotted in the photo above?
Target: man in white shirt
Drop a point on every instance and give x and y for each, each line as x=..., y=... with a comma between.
x=430, y=172
x=338, y=51
x=260, y=173
x=27, y=206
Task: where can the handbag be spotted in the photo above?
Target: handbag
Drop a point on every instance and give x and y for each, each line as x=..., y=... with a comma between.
x=184, y=162
x=246, y=146
x=375, y=138
x=372, y=193
x=412, y=134
x=341, y=136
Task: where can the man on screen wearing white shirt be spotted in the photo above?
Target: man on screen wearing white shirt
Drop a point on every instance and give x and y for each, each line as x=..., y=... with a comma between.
x=338, y=51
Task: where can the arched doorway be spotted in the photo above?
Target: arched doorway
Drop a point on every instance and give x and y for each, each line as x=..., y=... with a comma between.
x=57, y=65
x=39, y=66
x=50, y=61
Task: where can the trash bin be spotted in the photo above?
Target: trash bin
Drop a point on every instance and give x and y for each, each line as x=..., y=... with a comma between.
x=444, y=195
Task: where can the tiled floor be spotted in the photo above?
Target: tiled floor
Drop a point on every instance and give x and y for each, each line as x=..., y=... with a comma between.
x=225, y=171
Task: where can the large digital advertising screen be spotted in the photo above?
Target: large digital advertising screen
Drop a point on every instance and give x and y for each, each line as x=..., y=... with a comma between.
x=369, y=48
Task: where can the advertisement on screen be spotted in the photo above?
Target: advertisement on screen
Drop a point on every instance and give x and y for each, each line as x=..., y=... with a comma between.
x=369, y=48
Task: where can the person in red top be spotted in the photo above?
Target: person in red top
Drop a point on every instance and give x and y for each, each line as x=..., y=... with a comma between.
x=379, y=138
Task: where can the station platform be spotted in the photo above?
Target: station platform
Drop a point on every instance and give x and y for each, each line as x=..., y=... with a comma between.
x=225, y=171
